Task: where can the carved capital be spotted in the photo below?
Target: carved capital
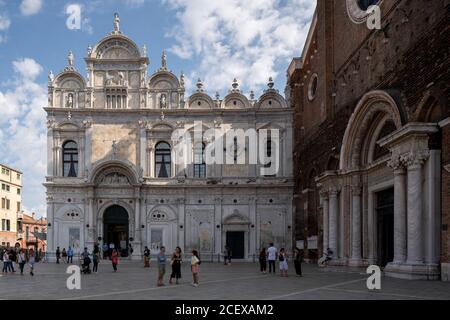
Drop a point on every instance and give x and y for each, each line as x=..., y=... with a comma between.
x=51, y=123
x=88, y=123
x=142, y=123
x=415, y=159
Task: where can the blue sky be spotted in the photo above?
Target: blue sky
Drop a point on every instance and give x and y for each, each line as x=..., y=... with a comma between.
x=215, y=40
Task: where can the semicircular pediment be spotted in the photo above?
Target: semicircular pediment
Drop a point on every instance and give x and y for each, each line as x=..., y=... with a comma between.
x=117, y=47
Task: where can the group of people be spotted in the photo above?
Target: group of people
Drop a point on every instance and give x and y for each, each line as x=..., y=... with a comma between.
x=21, y=257
x=271, y=255
x=67, y=256
x=175, y=261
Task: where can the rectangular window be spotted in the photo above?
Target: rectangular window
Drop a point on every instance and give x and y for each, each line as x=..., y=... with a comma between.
x=3, y=186
x=18, y=191
x=3, y=172
x=8, y=187
x=18, y=206
x=3, y=203
x=3, y=224
x=8, y=204
x=8, y=225
x=18, y=176
x=19, y=226
x=27, y=231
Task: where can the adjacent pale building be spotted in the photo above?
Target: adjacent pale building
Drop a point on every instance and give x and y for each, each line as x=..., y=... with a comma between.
x=115, y=176
x=11, y=204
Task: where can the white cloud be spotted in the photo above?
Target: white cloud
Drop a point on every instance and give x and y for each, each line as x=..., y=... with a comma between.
x=27, y=68
x=135, y=3
x=250, y=40
x=5, y=22
x=22, y=127
x=30, y=7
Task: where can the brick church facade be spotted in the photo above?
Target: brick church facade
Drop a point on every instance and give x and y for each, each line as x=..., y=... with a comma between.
x=372, y=137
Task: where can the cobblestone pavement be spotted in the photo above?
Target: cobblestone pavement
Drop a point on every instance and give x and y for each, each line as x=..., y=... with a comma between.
x=217, y=282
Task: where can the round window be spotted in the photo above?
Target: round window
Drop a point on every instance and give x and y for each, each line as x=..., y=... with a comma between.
x=312, y=87
x=357, y=9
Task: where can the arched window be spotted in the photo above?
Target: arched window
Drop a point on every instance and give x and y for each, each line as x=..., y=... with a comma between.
x=70, y=159
x=199, y=161
x=162, y=160
x=365, y=4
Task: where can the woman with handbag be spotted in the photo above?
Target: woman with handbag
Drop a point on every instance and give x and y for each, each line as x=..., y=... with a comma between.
x=176, y=265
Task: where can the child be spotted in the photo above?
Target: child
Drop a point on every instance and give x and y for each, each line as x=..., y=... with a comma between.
x=283, y=263
x=161, y=266
x=31, y=261
x=195, y=261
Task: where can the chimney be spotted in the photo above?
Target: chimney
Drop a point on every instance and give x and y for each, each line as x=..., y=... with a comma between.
x=33, y=215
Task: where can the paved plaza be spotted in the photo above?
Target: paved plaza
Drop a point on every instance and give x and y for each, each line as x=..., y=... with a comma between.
x=217, y=282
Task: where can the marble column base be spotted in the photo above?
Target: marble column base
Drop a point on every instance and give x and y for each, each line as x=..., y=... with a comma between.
x=137, y=254
x=445, y=271
x=356, y=263
x=412, y=271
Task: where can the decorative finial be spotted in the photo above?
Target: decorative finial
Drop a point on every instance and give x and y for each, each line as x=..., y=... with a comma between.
x=235, y=84
x=51, y=77
x=182, y=79
x=252, y=95
x=144, y=51
x=270, y=84
x=70, y=58
x=217, y=95
x=164, y=60
x=199, y=85
x=116, y=23
x=89, y=50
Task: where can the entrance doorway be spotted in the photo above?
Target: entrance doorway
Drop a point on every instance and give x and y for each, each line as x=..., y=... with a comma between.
x=236, y=241
x=385, y=226
x=115, y=221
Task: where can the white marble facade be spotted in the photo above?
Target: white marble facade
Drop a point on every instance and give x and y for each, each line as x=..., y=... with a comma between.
x=114, y=118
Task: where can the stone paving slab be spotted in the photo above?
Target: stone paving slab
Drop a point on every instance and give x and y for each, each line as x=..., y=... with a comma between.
x=217, y=282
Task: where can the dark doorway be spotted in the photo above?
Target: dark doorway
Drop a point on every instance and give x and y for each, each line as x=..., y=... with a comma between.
x=236, y=241
x=385, y=226
x=115, y=229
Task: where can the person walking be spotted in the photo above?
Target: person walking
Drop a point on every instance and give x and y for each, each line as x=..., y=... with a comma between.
x=5, y=261
x=95, y=258
x=161, y=258
x=64, y=255
x=283, y=262
x=70, y=255
x=31, y=261
x=195, y=262
x=176, y=265
x=146, y=257
x=228, y=253
x=298, y=259
x=58, y=255
x=22, y=260
x=105, y=250
x=12, y=259
x=114, y=259
x=263, y=260
x=272, y=257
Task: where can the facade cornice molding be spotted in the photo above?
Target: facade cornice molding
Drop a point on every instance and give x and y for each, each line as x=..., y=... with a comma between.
x=412, y=129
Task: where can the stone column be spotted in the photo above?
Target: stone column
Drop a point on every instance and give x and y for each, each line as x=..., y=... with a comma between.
x=137, y=226
x=181, y=222
x=415, y=207
x=325, y=206
x=50, y=229
x=356, y=223
x=399, y=210
x=252, y=232
x=333, y=224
